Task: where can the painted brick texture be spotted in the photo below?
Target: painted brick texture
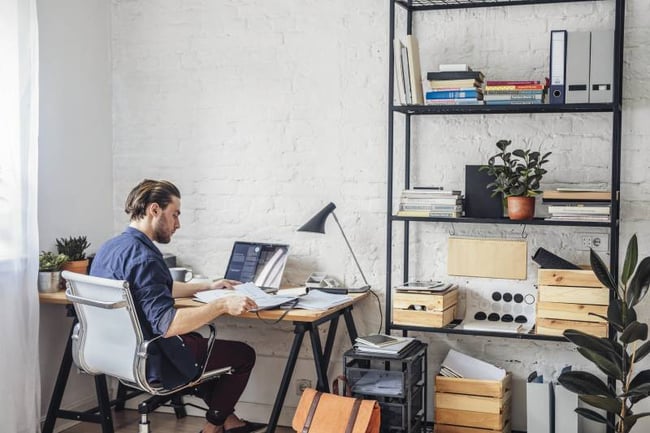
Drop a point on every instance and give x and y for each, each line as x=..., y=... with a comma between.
x=263, y=112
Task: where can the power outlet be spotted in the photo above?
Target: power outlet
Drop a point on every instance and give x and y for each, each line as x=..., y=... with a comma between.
x=301, y=385
x=599, y=242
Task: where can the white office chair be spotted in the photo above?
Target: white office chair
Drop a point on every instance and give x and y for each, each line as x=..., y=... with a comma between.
x=108, y=338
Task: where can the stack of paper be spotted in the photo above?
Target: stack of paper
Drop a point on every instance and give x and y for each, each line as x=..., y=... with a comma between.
x=458, y=364
x=314, y=300
x=392, y=346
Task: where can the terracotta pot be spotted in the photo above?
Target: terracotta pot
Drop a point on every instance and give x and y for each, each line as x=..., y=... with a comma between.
x=77, y=266
x=521, y=208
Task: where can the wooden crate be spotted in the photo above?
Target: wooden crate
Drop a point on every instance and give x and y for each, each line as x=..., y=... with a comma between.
x=435, y=319
x=565, y=299
x=447, y=428
x=425, y=309
x=428, y=301
x=472, y=406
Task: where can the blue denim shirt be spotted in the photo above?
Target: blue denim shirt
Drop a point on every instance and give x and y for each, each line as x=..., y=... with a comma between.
x=133, y=257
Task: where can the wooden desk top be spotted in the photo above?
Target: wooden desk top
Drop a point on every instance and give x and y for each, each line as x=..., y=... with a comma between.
x=297, y=315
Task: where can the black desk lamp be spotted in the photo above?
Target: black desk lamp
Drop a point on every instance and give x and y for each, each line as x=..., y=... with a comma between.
x=317, y=225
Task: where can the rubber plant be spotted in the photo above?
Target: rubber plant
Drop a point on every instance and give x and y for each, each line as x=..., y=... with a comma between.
x=619, y=355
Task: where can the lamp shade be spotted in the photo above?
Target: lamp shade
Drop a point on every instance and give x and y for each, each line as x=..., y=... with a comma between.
x=317, y=223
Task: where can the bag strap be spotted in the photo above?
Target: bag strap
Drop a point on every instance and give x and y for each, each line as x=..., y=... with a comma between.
x=312, y=411
x=353, y=415
x=336, y=389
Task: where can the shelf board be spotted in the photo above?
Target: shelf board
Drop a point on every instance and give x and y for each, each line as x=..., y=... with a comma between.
x=535, y=221
x=450, y=329
x=503, y=109
x=421, y=5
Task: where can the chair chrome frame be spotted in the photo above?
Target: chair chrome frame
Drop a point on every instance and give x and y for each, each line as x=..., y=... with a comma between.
x=99, y=302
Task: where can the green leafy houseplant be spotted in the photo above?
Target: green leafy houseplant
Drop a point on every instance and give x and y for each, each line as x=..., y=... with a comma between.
x=618, y=356
x=73, y=247
x=517, y=173
x=51, y=262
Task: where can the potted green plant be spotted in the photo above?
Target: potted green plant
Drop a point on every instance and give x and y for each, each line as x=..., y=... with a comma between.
x=517, y=176
x=75, y=248
x=49, y=271
x=618, y=356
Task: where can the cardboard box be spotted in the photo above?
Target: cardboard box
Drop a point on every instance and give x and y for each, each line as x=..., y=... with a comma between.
x=472, y=406
x=566, y=297
x=425, y=309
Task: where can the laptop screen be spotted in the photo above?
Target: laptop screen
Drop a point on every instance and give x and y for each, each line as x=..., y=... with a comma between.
x=262, y=264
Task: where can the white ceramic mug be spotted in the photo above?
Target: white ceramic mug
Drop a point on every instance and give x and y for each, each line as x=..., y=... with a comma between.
x=181, y=274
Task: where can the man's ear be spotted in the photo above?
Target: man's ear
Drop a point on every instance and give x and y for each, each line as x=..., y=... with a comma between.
x=154, y=209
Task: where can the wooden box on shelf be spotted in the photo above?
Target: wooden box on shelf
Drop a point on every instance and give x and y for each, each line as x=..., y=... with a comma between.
x=565, y=299
x=472, y=406
x=425, y=309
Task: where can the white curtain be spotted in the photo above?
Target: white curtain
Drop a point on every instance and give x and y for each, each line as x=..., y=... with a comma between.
x=20, y=388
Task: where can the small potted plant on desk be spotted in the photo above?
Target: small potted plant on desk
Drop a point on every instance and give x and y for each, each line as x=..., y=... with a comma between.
x=517, y=175
x=75, y=248
x=49, y=271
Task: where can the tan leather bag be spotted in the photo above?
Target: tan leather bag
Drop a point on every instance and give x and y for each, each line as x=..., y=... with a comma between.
x=320, y=412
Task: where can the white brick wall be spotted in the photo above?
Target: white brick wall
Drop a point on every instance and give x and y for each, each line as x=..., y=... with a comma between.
x=262, y=112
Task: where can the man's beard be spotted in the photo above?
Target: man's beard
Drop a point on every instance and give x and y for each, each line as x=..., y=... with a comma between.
x=161, y=234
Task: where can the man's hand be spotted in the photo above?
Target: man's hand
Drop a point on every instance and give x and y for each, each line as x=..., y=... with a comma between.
x=223, y=284
x=235, y=305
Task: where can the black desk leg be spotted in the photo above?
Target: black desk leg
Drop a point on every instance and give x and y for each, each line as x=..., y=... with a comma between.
x=59, y=387
x=321, y=370
x=329, y=343
x=349, y=322
x=299, y=330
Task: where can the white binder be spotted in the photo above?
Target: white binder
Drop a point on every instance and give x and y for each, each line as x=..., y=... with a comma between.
x=577, y=67
x=602, y=66
x=558, y=66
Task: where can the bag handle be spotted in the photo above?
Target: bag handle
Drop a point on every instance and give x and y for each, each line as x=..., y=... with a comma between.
x=335, y=386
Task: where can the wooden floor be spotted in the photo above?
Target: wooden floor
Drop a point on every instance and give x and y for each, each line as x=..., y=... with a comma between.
x=126, y=421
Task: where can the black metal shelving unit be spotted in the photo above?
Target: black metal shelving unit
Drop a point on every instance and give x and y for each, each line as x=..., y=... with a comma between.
x=408, y=111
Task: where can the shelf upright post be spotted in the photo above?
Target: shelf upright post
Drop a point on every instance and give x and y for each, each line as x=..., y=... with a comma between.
x=389, y=183
x=617, y=112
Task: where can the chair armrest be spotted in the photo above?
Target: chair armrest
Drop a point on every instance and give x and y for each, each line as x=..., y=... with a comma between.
x=93, y=303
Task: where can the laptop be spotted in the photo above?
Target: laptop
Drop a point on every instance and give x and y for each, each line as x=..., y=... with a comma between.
x=260, y=263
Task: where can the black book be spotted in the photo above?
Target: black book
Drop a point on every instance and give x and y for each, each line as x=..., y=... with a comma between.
x=455, y=75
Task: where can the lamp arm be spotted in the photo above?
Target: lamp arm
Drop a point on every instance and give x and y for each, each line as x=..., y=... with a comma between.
x=351, y=251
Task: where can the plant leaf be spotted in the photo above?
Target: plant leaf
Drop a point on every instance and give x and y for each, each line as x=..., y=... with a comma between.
x=594, y=416
x=601, y=271
x=642, y=351
x=631, y=258
x=583, y=382
x=596, y=344
x=635, y=331
x=632, y=419
x=608, y=404
x=639, y=284
x=605, y=365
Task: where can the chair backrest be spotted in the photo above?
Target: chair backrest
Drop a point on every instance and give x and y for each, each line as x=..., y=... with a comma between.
x=108, y=339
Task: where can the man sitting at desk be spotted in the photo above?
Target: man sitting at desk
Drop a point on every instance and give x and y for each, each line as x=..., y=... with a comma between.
x=154, y=209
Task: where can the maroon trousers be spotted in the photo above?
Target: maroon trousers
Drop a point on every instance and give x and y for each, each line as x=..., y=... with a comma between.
x=222, y=394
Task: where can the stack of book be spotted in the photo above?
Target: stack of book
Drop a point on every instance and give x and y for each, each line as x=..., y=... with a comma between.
x=383, y=344
x=455, y=85
x=430, y=202
x=572, y=204
x=514, y=92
